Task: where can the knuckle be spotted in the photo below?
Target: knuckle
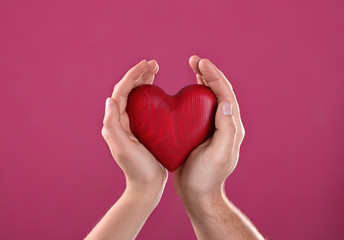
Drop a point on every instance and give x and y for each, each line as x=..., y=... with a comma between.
x=241, y=132
x=222, y=162
x=203, y=60
x=115, y=88
x=104, y=132
x=107, y=122
x=232, y=127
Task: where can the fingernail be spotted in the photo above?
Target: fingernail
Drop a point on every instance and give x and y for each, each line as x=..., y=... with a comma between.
x=144, y=60
x=152, y=65
x=156, y=66
x=109, y=104
x=227, y=108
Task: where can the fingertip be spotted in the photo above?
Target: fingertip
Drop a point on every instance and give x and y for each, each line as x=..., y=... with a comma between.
x=109, y=104
x=194, y=58
x=111, y=112
x=153, y=66
x=193, y=62
x=208, y=70
x=135, y=72
x=204, y=64
x=157, y=68
x=143, y=65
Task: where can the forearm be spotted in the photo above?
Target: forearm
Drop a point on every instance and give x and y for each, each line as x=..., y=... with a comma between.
x=215, y=217
x=126, y=217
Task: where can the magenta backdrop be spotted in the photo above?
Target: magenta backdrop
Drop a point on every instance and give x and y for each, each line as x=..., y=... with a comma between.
x=59, y=60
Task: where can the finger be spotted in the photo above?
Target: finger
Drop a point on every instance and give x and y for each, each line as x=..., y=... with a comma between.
x=200, y=80
x=156, y=69
x=112, y=130
x=126, y=84
x=215, y=79
x=193, y=62
x=221, y=87
x=197, y=65
x=224, y=92
x=225, y=127
x=225, y=141
x=148, y=76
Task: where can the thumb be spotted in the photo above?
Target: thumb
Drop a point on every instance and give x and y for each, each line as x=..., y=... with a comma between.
x=113, y=131
x=225, y=128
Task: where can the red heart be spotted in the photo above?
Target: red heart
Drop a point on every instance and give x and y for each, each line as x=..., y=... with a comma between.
x=170, y=127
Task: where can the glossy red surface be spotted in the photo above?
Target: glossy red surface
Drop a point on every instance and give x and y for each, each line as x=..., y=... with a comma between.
x=171, y=126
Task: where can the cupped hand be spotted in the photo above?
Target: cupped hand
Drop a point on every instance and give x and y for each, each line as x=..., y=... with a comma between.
x=207, y=167
x=142, y=171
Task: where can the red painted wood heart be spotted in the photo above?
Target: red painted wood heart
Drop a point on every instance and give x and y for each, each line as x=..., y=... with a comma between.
x=170, y=127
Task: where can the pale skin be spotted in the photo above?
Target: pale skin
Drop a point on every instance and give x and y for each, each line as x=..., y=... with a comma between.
x=199, y=182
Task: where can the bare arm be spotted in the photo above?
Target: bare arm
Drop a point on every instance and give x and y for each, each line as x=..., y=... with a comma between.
x=127, y=216
x=216, y=217
x=200, y=181
x=145, y=177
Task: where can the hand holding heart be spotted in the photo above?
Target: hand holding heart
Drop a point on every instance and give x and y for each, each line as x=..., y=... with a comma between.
x=207, y=166
x=195, y=124
x=143, y=173
x=203, y=174
x=202, y=129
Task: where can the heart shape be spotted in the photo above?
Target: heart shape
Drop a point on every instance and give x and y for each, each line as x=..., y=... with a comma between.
x=170, y=127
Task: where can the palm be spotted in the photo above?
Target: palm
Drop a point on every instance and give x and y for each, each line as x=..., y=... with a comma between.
x=217, y=157
x=137, y=160
x=201, y=165
x=194, y=169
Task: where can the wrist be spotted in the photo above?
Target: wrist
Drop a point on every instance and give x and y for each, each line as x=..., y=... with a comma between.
x=201, y=193
x=204, y=201
x=149, y=194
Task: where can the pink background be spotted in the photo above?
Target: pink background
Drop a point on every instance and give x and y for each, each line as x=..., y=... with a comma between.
x=59, y=60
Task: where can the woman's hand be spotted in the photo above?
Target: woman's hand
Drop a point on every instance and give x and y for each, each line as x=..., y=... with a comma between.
x=142, y=171
x=145, y=177
x=205, y=171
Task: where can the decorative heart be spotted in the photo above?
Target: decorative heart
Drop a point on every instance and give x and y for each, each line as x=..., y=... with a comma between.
x=170, y=127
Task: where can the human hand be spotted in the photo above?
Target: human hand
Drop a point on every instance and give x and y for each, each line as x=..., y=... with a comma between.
x=142, y=171
x=145, y=177
x=203, y=174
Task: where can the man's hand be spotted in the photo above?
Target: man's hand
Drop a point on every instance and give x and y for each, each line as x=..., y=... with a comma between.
x=207, y=167
x=200, y=180
x=145, y=176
